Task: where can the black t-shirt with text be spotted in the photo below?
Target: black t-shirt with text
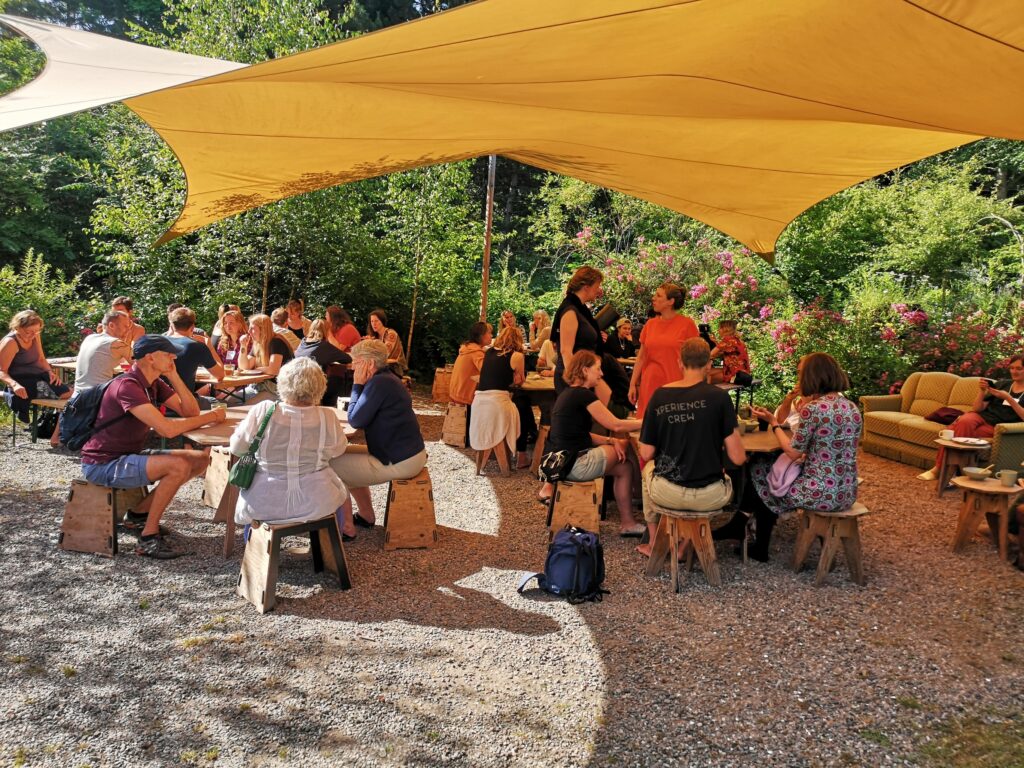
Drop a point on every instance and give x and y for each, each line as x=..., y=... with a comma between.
x=688, y=426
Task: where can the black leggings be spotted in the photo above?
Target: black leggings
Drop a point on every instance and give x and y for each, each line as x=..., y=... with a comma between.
x=765, y=518
x=527, y=424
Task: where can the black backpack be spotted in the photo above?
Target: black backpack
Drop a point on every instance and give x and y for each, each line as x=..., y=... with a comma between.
x=574, y=568
x=78, y=421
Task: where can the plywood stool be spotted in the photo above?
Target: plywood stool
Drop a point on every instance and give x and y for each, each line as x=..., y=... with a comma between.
x=454, y=430
x=500, y=453
x=257, y=581
x=538, y=448
x=834, y=529
x=91, y=516
x=990, y=499
x=681, y=533
x=221, y=495
x=409, y=521
x=576, y=504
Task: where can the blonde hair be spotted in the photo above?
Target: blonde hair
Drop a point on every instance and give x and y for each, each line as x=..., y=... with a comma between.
x=509, y=340
x=544, y=322
x=25, y=319
x=261, y=347
x=226, y=342
x=317, y=331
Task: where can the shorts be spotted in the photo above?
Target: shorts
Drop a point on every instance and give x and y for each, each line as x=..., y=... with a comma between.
x=589, y=465
x=125, y=472
x=671, y=496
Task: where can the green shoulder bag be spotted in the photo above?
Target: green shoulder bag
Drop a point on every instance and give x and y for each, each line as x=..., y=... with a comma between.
x=244, y=470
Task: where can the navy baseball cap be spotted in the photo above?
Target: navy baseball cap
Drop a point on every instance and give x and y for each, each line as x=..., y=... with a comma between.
x=152, y=343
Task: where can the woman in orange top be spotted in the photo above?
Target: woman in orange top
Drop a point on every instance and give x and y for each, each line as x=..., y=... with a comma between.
x=657, y=362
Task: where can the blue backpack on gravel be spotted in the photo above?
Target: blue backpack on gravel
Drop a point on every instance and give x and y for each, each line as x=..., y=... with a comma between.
x=574, y=568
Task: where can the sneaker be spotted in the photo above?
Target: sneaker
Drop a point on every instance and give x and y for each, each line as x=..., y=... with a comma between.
x=156, y=547
x=135, y=522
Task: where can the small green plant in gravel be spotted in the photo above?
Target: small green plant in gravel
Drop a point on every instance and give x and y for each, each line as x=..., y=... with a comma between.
x=909, y=702
x=213, y=623
x=194, y=642
x=282, y=753
x=876, y=737
x=143, y=604
x=244, y=707
x=20, y=756
x=17, y=659
x=68, y=671
x=212, y=754
x=189, y=757
x=971, y=742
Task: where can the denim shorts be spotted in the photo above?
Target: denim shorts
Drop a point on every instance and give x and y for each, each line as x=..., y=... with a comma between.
x=589, y=465
x=126, y=472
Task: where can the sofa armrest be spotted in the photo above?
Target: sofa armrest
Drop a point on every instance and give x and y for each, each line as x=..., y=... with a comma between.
x=881, y=402
x=1008, y=446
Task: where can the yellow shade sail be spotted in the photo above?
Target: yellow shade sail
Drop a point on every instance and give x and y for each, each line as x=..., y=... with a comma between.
x=740, y=113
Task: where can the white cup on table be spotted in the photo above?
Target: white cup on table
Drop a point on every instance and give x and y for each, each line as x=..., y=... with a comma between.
x=946, y=434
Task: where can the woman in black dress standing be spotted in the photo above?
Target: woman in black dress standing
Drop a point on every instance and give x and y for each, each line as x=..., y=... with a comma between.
x=574, y=327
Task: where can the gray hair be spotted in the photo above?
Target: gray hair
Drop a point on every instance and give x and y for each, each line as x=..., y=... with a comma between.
x=113, y=315
x=371, y=349
x=301, y=382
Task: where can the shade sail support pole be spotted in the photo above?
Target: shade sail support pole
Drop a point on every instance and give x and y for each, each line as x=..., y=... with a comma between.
x=492, y=166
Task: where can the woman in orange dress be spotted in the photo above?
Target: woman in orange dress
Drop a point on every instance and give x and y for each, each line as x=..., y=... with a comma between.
x=657, y=362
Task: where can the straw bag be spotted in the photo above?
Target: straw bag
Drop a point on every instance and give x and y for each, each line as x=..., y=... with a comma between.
x=244, y=470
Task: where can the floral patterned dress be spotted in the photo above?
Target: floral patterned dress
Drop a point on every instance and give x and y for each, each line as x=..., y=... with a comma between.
x=829, y=433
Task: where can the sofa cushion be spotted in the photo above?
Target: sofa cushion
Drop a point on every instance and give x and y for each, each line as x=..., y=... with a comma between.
x=963, y=393
x=932, y=392
x=886, y=422
x=919, y=431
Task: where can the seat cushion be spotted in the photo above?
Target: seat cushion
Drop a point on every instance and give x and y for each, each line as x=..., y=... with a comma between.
x=886, y=422
x=963, y=393
x=919, y=431
x=932, y=392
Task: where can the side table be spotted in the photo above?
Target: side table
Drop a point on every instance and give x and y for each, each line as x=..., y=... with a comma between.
x=989, y=498
x=956, y=455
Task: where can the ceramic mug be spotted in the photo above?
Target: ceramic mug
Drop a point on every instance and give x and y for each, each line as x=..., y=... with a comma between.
x=1008, y=477
x=946, y=434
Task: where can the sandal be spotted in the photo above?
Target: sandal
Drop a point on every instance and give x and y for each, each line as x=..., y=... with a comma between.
x=636, y=532
x=359, y=521
x=545, y=500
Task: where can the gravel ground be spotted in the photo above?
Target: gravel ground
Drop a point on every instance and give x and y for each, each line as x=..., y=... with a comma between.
x=433, y=658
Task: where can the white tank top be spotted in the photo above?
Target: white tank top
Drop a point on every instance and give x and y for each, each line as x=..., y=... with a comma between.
x=95, y=361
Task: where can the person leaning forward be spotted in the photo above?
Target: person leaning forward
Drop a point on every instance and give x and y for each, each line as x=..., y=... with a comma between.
x=113, y=456
x=686, y=424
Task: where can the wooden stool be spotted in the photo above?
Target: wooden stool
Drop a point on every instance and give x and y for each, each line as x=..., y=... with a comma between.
x=538, y=448
x=500, y=453
x=221, y=495
x=257, y=581
x=91, y=516
x=439, y=390
x=990, y=499
x=454, y=430
x=693, y=530
x=833, y=528
x=409, y=521
x=576, y=503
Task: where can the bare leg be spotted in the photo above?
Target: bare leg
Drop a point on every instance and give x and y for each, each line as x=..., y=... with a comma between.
x=169, y=471
x=622, y=474
x=645, y=549
x=345, y=523
x=364, y=502
x=545, y=491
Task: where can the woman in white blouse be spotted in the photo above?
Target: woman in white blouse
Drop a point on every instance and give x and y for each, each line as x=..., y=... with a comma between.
x=294, y=481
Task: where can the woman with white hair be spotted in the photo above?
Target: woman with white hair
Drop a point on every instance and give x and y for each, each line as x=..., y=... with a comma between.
x=293, y=481
x=382, y=407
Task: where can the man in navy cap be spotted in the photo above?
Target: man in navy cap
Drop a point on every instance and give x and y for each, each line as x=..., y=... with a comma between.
x=132, y=405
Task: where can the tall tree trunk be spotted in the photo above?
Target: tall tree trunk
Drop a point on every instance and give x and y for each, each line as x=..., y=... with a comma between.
x=419, y=263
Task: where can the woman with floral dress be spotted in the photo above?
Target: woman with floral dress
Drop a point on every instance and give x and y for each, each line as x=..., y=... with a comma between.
x=824, y=444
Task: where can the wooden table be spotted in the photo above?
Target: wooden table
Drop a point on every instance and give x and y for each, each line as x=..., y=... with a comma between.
x=957, y=455
x=541, y=391
x=230, y=385
x=989, y=498
x=66, y=368
x=217, y=491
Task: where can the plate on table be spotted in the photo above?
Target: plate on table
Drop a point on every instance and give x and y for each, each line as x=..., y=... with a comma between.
x=970, y=441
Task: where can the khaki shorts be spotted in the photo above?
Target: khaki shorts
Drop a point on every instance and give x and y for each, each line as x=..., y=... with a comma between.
x=672, y=496
x=358, y=469
x=589, y=465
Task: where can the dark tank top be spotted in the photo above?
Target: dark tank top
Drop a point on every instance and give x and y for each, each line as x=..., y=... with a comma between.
x=496, y=372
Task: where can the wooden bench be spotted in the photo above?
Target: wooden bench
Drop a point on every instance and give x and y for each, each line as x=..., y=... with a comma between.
x=576, y=503
x=834, y=529
x=54, y=404
x=91, y=516
x=409, y=521
x=257, y=581
x=692, y=532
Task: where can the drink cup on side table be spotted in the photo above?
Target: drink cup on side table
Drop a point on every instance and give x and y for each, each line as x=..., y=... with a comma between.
x=229, y=369
x=946, y=434
x=1008, y=477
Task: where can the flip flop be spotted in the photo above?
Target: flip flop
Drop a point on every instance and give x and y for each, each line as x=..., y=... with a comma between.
x=346, y=538
x=633, y=533
x=360, y=522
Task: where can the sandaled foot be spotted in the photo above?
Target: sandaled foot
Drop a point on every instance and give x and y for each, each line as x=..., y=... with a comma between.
x=361, y=521
x=632, y=531
x=929, y=475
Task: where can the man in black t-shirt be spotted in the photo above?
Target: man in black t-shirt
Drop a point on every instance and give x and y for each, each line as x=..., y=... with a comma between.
x=194, y=350
x=686, y=425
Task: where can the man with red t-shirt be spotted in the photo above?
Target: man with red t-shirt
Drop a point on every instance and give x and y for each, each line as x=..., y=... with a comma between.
x=130, y=408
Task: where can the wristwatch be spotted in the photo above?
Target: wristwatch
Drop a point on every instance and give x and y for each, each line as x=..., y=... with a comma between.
x=776, y=426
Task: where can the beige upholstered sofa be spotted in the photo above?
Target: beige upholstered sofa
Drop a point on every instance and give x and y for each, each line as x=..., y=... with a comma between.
x=895, y=427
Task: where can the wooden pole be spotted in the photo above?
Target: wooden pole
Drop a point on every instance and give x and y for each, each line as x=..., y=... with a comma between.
x=492, y=165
